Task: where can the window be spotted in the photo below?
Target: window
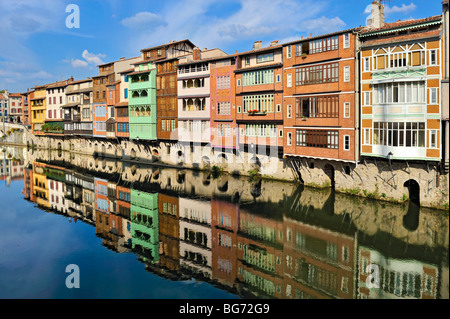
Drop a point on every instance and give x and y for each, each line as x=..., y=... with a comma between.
x=247, y=60
x=401, y=134
x=399, y=92
x=347, y=110
x=278, y=108
x=367, y=98
x=433, y=57
x=289, y=111
x=261, y=130
x=265, y=57
x=318, y=138
x=223, y=82
x=223, y=108
x=317, y=74
x=366, y=64
x=346, y=74
x=238, y=82
x=433, y=96
x=317, y=106
x=258, y=77
x=239, y=109
x=317, y=46
x=289, y=80
x=366, y=136
x=346, y=142
x=289, y=52
x=280, y=133
x=258, y=103
x=289, y=139
x=346, y=40
x=278, y=78
x=433, y=138
x=125, y=93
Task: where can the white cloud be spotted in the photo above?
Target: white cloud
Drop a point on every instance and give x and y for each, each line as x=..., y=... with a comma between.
x=143, y=20
x=404, y=9
x=264, y=20
x=77, y=63
x=92, y=58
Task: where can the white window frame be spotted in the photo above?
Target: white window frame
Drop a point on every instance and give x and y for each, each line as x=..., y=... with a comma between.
x=289, y=139
x=289, y=111
x=278, y=108
x=346, y=40
x=347, y=110
x=435, y=100
x=366, y=98
x=289, y=52
x=366, y=64
x=280, y=133
x=347, y=148
x=366, y=137
x=347, y=74
x=278, y=78
x=435, y=61
x=289, y=80
x=239, y=82
x=435, y=134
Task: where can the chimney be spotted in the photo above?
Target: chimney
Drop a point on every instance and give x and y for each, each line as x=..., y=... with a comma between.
x=257, y=45
x=196, y=54
x=273, y=43
x=376, y=18
x=301, y=38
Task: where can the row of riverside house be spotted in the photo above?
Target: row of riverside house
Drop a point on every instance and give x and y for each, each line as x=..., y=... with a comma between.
x=378, y=91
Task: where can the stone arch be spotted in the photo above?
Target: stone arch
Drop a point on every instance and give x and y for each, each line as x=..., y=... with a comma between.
x=256, y=161
x=329, y=171
x=206, y=160
x=414, y=191
x=133, y=154
x=222, y=158
x=181, y=177
x=223, y=187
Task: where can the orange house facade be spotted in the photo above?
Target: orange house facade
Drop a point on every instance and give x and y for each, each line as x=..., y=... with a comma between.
x=320, y=97
x=401, y=65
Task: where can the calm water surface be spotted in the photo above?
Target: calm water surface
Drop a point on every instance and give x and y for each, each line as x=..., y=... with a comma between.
x=138, y=231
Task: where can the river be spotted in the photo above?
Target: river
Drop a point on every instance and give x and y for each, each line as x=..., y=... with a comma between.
x=75, y=226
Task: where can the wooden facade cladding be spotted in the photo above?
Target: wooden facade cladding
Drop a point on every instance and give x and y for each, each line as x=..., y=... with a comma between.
x=321, y=106
x=166, y=92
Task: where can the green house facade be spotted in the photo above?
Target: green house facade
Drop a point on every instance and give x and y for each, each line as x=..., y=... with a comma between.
x=144, y=225
x=142, y=102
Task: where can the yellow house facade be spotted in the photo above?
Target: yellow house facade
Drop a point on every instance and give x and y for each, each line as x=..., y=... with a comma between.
x=38, y=109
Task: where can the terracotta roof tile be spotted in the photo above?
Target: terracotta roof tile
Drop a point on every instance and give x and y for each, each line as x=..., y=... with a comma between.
x=399, y=38
x=399, y=24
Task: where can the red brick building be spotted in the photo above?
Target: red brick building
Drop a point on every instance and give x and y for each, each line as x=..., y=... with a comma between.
x=320, y=97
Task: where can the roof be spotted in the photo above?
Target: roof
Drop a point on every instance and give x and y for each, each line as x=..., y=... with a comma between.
x=400, y=24
x=401, y=38
x=57, y=84
x=15, y=94
x=222, y=57
x=140, y=72
x=81, y=81
x=120, y=60
x=127, y=71
x=323, y=36
x=269, y=48
x=168, y=44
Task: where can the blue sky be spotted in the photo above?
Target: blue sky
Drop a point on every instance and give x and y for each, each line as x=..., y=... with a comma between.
x=36, y=47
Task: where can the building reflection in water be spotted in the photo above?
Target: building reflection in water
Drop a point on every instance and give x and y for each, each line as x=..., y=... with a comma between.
x=257, y=239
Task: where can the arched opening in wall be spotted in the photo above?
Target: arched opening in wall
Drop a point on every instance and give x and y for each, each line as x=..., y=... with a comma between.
x=155, y=152
x=222, y=158
x=181, y=177
x=103, y=149
x=236, y=197
x=223, y=187
x=96, y=148
x=329, y=171
x=206, y=160
x=411, y=219
x=96, y=162
x=133, y=154
x=104, y=164
x=256, y=161
x=156, y=175
x=256, y=190
x=414, y=191
x=180, y=153
x=206, y=180
x=133, y=170
x=59, y=149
